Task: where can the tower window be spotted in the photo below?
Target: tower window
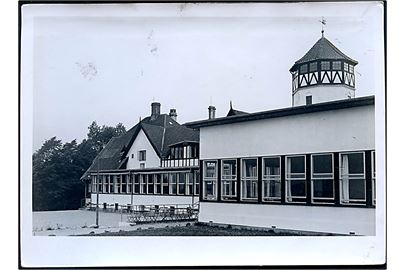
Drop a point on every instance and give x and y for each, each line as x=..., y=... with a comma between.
x=325, y=65
x=351, y=69
x=304, y=68
x=346, y=66
x=336, y=65
x=313, y=66
x=308, y=100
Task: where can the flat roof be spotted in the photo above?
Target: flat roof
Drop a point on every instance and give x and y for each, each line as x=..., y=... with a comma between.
x=317, y=107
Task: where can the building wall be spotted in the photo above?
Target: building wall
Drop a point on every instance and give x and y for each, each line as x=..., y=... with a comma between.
x=339, y=130
x=124, y=199
x=322, y=93
x=141, y=142
x=306, y=218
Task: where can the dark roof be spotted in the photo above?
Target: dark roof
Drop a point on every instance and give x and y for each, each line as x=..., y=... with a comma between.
x=317, y=107
x=323, y=49
x=233, y=112
x=161, y=132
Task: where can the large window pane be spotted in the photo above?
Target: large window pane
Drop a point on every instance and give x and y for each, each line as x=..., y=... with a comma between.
x=158, y=184
x=322, y=178
x=229, y=169
x=322, y=189
x=165, y=183
x=136, y=184
x=210, y=180
x=356, y=163
x=271, y=179
x=352, y=178
x=228, y=179
x=249, y=168
x=249, y=179
x=357, y=189
x=173, y=183
x=295, y=179
x=210, y=169
x=271, y=189
x=322, y=163
x=181, y=183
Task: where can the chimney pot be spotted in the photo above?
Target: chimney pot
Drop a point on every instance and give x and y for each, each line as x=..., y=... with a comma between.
x=211, y=112
x=155, y=110
x=173, y=114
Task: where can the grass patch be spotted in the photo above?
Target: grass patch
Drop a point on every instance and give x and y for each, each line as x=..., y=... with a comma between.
x=205, y=230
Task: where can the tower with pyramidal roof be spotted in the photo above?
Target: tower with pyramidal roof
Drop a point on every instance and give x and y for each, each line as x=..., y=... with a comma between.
x=323, y=74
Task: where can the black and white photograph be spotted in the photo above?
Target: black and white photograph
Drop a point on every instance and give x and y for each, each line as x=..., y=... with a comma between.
x=203, y=134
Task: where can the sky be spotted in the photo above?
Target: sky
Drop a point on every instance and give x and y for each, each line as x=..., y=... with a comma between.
x=110, y=62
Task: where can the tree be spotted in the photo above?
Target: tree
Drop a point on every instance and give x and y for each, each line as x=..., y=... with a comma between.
x=57, y=168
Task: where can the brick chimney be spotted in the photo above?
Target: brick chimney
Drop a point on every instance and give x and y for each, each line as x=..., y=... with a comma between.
x=211, y=112
x=155, y=110
x=173, y=114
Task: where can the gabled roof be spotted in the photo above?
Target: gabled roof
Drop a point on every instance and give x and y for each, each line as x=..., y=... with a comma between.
x=161, y=132
x=323, y=49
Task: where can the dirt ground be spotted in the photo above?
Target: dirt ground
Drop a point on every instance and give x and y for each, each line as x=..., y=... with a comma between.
x=196, y=229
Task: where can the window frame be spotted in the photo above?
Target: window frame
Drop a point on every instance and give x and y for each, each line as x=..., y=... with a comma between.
x=137, y=184
x=298, y=199
x=189, y=183
x=157, y=184
x=165, y=184
x=150, y=183
x=254, y=180
x=213, y=180
x=142, y=155
x=143, y=184
x=322, y=200
x=232, y=181
x=325, y=66
x=172, y=184
x=265, y=179
x=183, y=184
x=335, y=68
x=355, y=201
x=373, y=177
x=313, y=66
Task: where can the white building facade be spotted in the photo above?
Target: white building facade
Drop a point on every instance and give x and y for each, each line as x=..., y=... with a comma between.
x=153, y=163
x=308, y=167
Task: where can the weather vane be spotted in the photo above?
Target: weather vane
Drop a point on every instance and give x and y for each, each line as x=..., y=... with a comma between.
x=323, y=22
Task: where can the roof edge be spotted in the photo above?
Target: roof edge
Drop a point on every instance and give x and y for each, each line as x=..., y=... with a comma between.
x=317, y=107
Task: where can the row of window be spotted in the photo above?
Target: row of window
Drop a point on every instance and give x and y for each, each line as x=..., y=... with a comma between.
x=182, y=152
x=326, y=65
x=179, y=183
x=352, y=179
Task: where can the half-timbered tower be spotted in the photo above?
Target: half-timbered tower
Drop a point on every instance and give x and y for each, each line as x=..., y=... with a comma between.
x=323, y=74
